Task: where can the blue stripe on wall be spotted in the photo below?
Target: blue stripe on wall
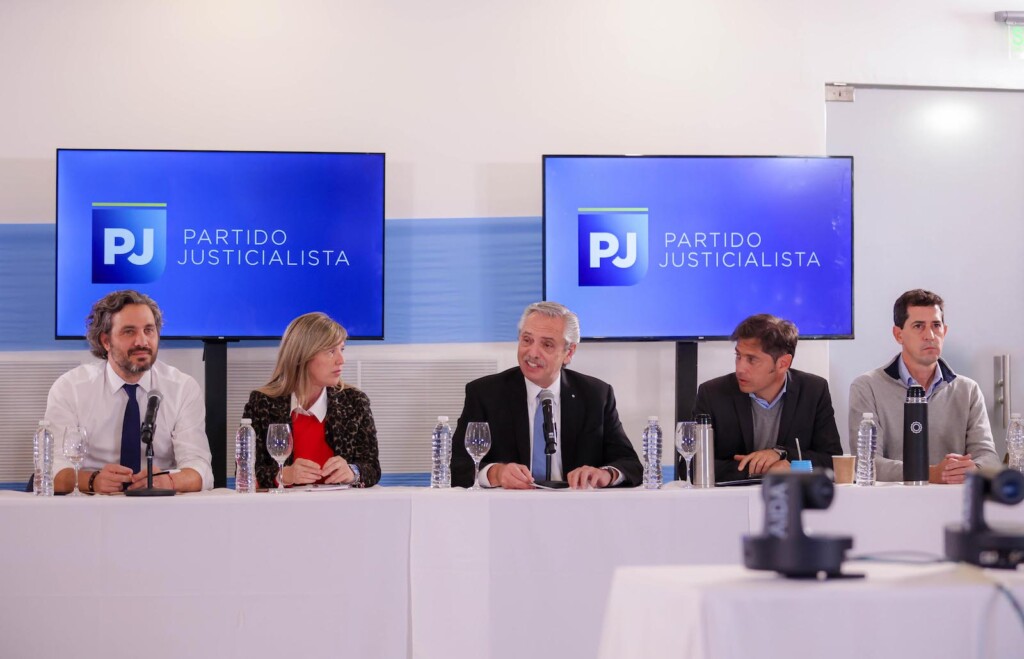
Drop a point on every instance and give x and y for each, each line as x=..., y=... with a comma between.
x=398, y=480
x=463, y=280
x=459, y=280
x=27, y=270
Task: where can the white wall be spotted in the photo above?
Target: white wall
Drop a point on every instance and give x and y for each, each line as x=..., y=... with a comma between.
x=465, y=95
x=938, y=205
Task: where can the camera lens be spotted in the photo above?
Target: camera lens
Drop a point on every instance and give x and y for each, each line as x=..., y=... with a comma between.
x=1008, y=487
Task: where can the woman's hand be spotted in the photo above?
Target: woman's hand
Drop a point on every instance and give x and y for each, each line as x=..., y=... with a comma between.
x=336, y=470
x=302, y=472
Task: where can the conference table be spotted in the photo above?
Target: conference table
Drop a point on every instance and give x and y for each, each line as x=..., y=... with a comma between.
x=729, y=612
x=211, y=574
x=384, y=572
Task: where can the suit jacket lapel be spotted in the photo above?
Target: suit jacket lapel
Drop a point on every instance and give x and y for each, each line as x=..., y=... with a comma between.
x=280, y=410
x=746, y=418
x=333, y=416
x=516, y=392
x=789, y=405
x=571, y=405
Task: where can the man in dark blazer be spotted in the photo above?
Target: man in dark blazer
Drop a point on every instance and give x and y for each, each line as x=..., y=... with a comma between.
x=592, y=448
x=760, y=411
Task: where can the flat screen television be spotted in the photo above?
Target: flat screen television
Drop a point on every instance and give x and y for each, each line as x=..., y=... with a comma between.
x=685, y=247
x=231, y=244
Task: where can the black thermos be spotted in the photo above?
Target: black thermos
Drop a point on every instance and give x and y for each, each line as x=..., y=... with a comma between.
x=915, y=437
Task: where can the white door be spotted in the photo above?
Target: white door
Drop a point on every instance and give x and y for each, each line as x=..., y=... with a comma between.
x=938, y=191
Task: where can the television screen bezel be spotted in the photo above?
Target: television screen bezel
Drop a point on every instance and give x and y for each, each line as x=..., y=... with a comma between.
x=141, y=288
x=695, y=337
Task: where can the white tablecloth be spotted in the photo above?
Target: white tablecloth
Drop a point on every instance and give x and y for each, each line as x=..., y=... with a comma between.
x=892, y=517
x=727, y=612
x=513, y=574
x=384, y=572
x=211, y=575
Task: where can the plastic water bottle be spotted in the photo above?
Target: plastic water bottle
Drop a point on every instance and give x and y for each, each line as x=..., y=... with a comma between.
x=1015, y=442
x=867, y=449
x=245, y=458
x=441, y=449
x=652, y=454
x=42, y=460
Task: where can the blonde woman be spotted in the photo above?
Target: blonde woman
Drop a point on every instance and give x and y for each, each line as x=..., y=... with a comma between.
x=335, y=438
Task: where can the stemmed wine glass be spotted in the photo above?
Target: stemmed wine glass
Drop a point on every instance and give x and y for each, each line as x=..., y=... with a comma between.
x=478, y=443
x=279, y=445
x=75, y=446
x=686, y=444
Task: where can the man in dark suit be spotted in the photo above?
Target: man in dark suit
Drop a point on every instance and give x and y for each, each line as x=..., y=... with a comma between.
x=760, y=411
x=592, y=449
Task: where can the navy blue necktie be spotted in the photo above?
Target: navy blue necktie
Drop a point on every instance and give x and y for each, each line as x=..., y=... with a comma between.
x=131, y=431
x=538, y=464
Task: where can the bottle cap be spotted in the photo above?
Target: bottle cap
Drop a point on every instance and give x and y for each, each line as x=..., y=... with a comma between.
x=246, y=422
x=44, y=422
x=1015, y=415
x=916, y=393
x=652, y=418
x=868, y=415
x=442, y=419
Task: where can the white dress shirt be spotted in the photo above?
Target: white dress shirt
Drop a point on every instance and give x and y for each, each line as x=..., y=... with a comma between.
x=317, y=409
x=532, y=400
x=532, y=392
x=91, y=396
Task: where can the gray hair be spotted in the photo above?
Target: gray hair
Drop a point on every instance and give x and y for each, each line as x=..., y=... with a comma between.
x=555, y=310
x=101, y=318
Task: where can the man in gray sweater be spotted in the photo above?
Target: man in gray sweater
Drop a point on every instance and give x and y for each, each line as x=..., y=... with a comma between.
x=959, y=435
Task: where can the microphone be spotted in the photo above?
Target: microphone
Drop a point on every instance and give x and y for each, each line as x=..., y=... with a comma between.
x=546, y=406
x=547, y=400
x=149, y=423
x=147, y=430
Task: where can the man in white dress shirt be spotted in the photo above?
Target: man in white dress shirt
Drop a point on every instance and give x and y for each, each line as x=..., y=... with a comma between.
x=109, y=398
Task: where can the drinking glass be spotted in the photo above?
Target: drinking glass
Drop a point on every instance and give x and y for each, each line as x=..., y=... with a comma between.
x=279, y=445
x=686, y=444
x=75, y=446
x=478, y=443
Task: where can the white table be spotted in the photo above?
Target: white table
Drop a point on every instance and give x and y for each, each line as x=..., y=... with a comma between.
x=384, y=572
x=206, y=575
x=512, y=574
x=892, y=517
x=728, y=612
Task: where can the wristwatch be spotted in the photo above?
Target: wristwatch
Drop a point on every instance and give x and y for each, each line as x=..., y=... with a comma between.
x=781, y=450
x=355, y=471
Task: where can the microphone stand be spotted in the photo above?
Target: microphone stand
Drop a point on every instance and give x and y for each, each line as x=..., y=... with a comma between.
x=549, y=456
x=149, y=490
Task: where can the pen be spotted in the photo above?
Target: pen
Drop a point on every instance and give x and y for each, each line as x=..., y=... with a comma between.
x=124, y=486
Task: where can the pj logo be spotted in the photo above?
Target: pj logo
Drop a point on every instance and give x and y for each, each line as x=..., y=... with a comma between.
x=129, y=242
x=612, y=246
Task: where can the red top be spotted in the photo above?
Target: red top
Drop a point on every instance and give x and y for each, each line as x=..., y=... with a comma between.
x=310, y=439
